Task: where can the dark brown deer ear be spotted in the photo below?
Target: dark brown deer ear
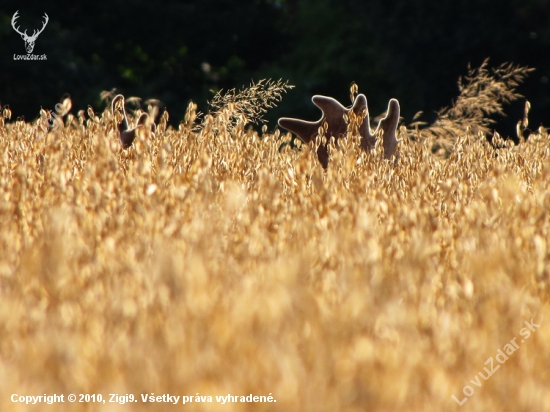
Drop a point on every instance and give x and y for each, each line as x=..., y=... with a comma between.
x=127, y=137
x=327, y=104
x=333, y=112
x=360, y=104
x=142, y=119
x=115, y=101
x=117, y=106
x=361, y=110
x=306, y=131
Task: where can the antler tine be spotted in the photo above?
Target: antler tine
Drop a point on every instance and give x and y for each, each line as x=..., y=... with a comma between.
x=360, y=108
x=13, y=22
x=336, y=117
x=36, y=33
x=388, y=126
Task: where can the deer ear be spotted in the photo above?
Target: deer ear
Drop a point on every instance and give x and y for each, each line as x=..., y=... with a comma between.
x=360, y=108
x=115, y=101
x=327, y=104
x=127, y=137
x=306, y=131
x=142, y=119
x=359, y=104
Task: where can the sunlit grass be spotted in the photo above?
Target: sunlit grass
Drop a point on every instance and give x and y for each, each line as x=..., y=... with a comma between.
x=204, y=260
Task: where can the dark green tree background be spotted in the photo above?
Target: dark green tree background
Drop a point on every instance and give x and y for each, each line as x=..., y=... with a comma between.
x=413, y=50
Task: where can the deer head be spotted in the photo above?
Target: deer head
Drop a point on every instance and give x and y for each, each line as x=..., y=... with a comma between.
x=29, y=40
x=333, y=115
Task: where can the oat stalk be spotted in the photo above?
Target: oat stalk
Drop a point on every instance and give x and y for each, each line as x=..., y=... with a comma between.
x=483, y=93
x=249, y=104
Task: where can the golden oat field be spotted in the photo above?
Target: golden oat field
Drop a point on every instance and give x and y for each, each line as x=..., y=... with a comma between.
x=210, y=260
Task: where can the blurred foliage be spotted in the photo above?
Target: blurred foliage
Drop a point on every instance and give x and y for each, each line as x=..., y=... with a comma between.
x=413, y=50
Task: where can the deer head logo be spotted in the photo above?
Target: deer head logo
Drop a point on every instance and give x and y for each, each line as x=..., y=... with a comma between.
x=29, y=40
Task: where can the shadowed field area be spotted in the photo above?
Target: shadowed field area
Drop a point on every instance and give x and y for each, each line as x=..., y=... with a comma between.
x=209, y=260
